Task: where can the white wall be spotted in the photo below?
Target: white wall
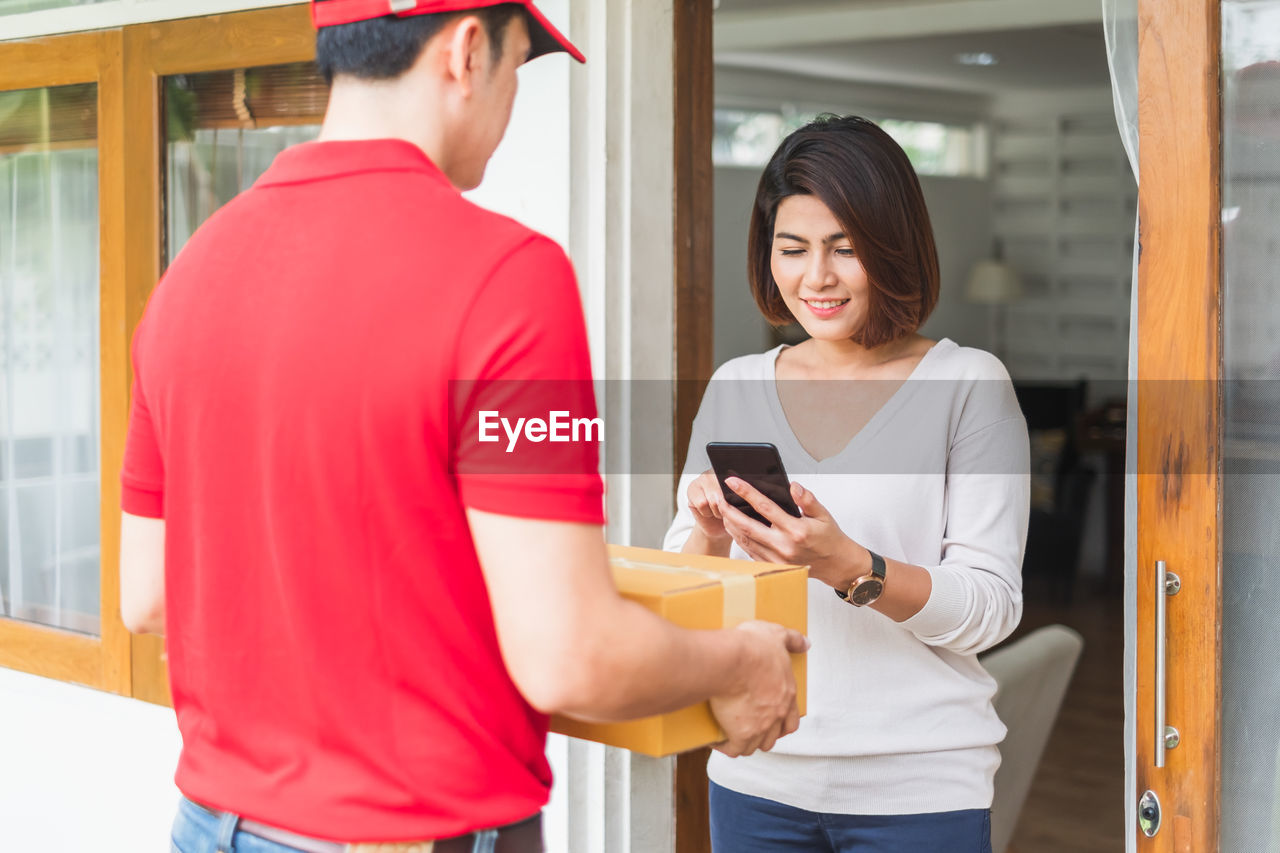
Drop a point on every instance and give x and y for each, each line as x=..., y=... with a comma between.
x=960, y=211
x=82, y=770
x=739, y=328
x=528, y=177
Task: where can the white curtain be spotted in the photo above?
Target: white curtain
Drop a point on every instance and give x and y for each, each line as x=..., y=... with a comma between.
x=1120, y=25
x=49, y=421
x=208, y=171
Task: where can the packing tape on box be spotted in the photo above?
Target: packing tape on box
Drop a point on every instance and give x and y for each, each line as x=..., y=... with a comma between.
x=739, y=589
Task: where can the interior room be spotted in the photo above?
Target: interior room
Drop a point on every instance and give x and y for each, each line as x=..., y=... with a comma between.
x=1006, y=113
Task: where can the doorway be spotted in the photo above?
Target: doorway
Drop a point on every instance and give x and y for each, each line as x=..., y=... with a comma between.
x=1008, y=119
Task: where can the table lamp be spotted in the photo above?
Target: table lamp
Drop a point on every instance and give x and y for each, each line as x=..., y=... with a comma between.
x=993, y=282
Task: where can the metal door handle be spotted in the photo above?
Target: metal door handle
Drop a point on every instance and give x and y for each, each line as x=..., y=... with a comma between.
x=1167, y=584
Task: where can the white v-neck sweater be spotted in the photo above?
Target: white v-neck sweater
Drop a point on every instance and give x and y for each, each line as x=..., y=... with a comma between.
x=899, y=715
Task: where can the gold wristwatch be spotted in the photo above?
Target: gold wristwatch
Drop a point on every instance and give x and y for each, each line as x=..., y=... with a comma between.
x=868, y=588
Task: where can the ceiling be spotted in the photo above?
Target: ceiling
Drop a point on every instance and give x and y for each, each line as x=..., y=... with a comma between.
x=1043, y=58
x=1046, y=44
x=779, y=5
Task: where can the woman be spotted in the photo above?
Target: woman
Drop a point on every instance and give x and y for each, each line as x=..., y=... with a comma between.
x=908, y=459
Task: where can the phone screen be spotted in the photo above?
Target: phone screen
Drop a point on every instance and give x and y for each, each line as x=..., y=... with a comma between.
x=759, y=464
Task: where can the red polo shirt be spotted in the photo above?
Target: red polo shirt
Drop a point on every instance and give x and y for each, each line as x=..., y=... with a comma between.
x=332, y=651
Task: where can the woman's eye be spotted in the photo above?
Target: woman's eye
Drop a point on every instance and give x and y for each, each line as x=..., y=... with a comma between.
x=845, y=253
x=790, y=253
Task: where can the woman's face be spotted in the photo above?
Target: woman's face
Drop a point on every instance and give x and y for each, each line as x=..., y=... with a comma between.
x=820, y=277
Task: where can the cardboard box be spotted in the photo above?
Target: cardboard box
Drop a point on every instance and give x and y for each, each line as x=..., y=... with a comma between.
x=697, y=592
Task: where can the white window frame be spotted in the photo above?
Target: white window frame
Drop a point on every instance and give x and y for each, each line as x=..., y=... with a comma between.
x=119, y=13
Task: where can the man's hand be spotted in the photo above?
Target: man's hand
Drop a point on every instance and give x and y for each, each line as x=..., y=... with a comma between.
x=763, y=708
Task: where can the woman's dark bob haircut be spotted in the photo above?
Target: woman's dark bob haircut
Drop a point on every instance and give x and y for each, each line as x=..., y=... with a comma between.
x=865, y=178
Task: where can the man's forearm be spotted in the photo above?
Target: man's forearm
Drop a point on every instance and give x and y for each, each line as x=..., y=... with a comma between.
x=638, y=664
x=142, y=573
x=153, y=624
x=575, y=646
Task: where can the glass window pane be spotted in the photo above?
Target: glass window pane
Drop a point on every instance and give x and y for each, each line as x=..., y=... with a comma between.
x=749, y=137
x=933, y=148
x=1251, y=467
x=13, y=7
x=223, y=130
x=49, y=415
x=746, y=137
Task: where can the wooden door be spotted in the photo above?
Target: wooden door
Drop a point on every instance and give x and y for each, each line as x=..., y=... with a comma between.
x=1179, y=421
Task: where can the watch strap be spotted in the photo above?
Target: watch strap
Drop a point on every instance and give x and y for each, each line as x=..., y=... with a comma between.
x=878, y=567
x=878, y=571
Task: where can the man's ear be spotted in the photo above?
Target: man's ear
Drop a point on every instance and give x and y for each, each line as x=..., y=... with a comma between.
x=468, y=51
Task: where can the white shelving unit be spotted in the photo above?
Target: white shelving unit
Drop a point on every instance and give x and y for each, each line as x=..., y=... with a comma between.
x=1063, y=203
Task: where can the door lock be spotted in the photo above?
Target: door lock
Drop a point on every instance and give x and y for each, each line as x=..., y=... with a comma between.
x=1149, y=814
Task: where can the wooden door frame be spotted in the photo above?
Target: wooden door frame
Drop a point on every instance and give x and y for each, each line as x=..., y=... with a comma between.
x=694, y=89
x=1179, y=411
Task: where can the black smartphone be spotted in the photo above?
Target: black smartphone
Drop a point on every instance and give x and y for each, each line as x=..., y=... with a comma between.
x=759, y=464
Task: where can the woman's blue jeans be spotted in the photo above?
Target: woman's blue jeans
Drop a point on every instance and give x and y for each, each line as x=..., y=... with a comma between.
x=744, y=824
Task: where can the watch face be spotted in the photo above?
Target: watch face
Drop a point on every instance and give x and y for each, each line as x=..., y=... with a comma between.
x=866, y=592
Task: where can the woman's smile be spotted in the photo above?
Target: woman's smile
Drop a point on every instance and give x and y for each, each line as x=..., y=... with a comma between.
x=823, y=308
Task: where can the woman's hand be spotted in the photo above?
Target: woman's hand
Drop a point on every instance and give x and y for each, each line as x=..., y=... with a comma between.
x=707, y=503
x=814, y=540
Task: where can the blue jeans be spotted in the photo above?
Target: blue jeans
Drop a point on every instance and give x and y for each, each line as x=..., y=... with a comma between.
x=744, y=824
x=198, y=831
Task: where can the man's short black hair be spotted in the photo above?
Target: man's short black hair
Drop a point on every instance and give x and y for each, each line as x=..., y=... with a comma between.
x=384, y=48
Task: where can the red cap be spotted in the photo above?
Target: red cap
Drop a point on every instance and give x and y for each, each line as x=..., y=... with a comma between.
x=545, y=37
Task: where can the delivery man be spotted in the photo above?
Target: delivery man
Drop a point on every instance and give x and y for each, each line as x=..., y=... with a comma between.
x=365, y=638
